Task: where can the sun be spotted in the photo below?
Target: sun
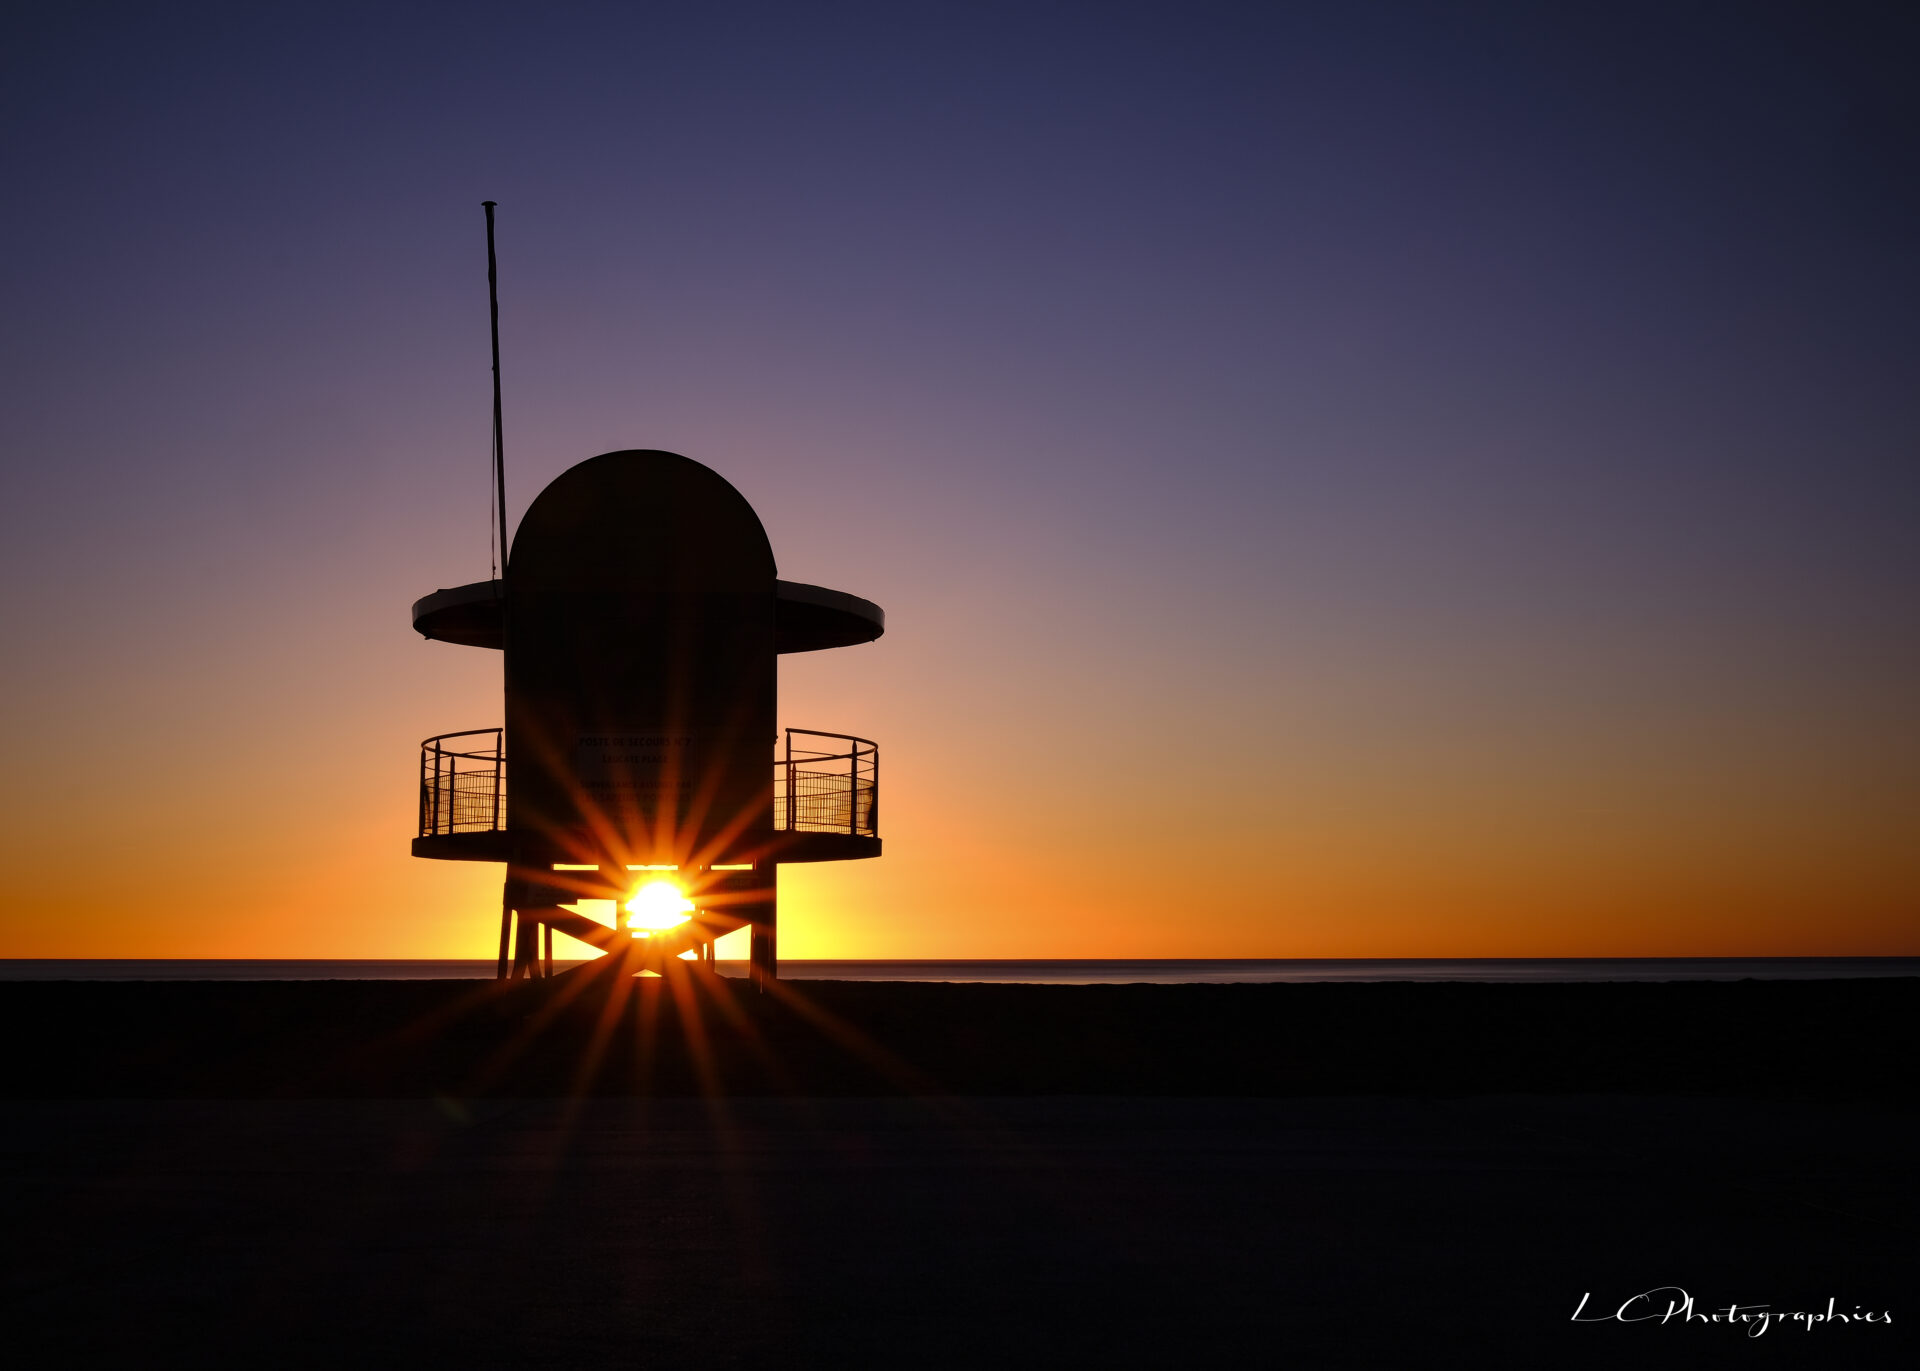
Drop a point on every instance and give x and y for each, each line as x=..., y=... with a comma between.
x=659, y=904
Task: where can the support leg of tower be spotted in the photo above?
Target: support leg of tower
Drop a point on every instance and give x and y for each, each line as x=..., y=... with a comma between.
x=763, y=960
x=763, y=954
x=506, y=926
x=526, y=947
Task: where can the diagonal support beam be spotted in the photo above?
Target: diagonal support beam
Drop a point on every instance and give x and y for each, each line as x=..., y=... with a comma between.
x=626, y=951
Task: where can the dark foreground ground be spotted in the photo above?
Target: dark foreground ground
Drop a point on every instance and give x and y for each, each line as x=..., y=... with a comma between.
x=435, y=1174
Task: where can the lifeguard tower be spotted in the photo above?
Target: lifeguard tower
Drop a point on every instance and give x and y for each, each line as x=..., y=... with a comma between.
x=640, y=619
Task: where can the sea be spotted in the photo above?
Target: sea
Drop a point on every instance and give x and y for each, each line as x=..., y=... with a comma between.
x=1060, y=972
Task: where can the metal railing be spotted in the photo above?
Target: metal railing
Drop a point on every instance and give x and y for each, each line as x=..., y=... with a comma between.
x=463, y=785
x=822, y=783
x=827, y=783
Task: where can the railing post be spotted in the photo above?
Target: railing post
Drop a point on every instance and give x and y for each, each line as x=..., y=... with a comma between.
x=499, y=760
x=434, y=831
x=793, y=819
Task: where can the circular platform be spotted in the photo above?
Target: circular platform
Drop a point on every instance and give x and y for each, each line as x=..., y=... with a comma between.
x=788, y=847
x=806, y=618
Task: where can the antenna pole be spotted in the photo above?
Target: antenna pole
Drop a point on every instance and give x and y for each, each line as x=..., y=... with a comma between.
x=499, y=441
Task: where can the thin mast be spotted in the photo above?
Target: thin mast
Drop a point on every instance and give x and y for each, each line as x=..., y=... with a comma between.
x=499, y=441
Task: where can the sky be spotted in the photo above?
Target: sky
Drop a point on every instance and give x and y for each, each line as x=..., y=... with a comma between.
x=1345, y=479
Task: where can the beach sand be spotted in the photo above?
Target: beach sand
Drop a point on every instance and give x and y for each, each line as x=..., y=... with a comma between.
x=957, y=1176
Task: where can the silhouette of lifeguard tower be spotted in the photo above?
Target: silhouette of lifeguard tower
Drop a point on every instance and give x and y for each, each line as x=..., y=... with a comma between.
x=640, y=619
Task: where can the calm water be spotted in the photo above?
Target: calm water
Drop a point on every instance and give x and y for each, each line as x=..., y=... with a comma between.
x=1036, y=972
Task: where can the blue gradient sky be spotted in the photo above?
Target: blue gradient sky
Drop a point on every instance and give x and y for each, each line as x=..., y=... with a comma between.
x=1345, y=479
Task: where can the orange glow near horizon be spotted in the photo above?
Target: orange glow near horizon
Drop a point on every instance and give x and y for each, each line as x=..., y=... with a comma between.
x=1609, y=856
